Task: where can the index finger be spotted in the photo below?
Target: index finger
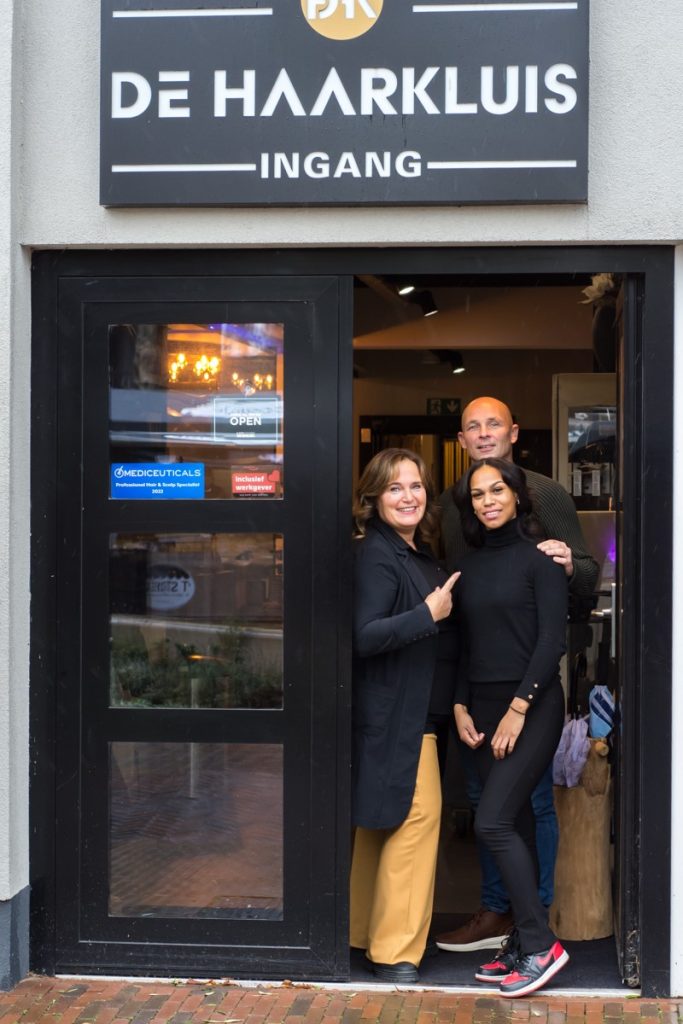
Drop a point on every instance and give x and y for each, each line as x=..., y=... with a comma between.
x=451, y=581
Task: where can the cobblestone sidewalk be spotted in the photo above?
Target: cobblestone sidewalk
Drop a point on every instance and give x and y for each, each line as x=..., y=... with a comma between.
x=39, y=1000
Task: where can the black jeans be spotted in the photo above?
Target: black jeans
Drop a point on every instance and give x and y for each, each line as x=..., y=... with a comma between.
x=505, y=819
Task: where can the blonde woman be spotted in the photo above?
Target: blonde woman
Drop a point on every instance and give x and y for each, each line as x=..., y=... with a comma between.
x=404, y=646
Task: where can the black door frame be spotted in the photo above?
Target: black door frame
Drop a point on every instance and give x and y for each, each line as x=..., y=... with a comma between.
x=647, y=537
x=308, y=942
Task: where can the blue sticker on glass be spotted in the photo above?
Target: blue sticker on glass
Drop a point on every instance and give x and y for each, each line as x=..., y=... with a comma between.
x=156, y=480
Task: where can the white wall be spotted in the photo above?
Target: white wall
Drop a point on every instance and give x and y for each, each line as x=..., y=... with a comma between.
x=5, y=447
x=14, y=493
x=635, y=170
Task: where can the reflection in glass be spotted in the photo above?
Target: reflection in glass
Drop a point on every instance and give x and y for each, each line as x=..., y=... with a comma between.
x=209, y=395
x=591, y=442
x=196, y=620
x=195, y=830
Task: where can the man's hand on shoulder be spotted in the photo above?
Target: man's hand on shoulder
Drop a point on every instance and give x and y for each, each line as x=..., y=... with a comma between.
x=559, y=552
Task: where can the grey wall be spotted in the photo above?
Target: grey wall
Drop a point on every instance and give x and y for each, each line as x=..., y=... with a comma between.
x=636, y=123
x=14, y=503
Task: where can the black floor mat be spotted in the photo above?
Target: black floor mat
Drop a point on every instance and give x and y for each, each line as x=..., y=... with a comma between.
x=592, y=965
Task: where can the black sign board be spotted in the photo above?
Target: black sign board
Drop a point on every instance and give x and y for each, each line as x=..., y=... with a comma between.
x=343, y=102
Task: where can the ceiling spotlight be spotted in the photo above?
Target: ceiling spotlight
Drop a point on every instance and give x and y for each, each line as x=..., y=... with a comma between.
x=425, y=300
x=406, y=289
x=452, y=358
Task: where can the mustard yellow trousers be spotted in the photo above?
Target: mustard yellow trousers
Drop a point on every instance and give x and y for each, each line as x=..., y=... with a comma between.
x=393, y=872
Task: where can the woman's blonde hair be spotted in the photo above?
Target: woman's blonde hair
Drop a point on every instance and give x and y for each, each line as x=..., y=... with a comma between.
x=380, y=471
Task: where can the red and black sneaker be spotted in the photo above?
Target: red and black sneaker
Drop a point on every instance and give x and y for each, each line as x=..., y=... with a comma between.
x=503, y=962
x=533, y=970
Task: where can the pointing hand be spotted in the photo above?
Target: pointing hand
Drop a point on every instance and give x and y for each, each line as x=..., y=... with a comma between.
x=440, y=601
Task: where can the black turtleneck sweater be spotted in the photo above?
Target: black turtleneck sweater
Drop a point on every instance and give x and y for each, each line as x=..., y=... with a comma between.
x=512, y=606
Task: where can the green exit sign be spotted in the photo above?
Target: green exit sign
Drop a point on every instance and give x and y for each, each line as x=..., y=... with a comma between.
x=443, y=406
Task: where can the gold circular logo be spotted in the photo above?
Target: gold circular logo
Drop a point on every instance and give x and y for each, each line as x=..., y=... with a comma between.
x=341, y=19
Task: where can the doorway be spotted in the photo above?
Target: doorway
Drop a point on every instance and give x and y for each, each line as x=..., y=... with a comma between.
x=95, y=775
x=549, y=350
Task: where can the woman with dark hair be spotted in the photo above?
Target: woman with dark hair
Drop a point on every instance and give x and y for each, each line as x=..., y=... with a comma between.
x=509, y=703
x=402, y=691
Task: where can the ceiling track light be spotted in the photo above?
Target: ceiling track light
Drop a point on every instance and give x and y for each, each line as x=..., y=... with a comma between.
x=452, y=357
x=406, y=289
x=457, y=365
x=425, y=300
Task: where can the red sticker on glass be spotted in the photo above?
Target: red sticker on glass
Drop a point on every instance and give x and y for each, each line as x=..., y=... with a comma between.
x=255, y=483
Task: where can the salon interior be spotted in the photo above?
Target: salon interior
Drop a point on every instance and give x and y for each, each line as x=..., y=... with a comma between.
x=423, y=348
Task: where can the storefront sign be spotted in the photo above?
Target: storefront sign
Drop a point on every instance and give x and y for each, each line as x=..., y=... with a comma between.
x=347, y=102
x=153, y=480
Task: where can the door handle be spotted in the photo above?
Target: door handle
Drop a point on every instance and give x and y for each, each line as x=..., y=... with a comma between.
x=613, y=635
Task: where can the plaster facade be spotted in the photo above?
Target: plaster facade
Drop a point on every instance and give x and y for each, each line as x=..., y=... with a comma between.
x=49, y=126
x=636, y=123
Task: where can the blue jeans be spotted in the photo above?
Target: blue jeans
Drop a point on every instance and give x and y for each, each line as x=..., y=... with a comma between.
x=493, y=894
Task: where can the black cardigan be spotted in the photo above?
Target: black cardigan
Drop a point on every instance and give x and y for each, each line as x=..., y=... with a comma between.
x=395, y=646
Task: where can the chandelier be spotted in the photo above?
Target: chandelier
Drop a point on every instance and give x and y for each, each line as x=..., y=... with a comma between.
x=204, y=369
x=249, y=385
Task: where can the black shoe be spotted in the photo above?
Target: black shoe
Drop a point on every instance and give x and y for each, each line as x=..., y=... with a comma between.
x=431, y=949
x=503, y=962
x=532, y=971
x=403, y=973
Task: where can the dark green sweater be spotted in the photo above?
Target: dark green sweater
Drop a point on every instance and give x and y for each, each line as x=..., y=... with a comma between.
x=557, y=513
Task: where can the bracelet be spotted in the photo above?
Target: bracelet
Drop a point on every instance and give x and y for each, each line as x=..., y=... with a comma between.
x=522, y=713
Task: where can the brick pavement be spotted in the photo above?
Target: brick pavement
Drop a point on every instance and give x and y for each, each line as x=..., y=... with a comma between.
x=40, y=1000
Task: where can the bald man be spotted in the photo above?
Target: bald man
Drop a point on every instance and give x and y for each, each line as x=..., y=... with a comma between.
x=489, y=431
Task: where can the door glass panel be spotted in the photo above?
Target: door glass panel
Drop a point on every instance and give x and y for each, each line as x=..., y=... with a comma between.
x=196, y=620
x=195, y=410
x=195, y=830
